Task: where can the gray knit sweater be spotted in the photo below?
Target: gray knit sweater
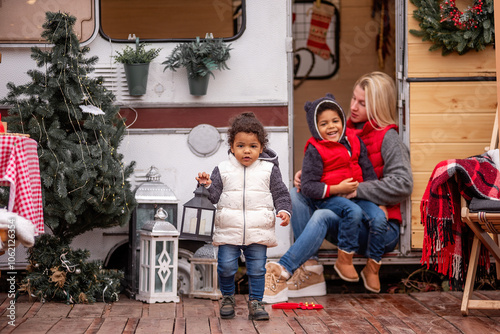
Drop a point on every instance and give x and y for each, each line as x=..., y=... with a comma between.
x=396, y=183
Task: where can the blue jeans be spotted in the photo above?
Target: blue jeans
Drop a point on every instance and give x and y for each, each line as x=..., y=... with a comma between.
x=373, y=227
x=376, y=224
x=227, y=266
x=311, y=226
x=352, y=217
x=303, y=209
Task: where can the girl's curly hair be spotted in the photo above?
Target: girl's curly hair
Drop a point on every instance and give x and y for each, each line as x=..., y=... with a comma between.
x=247, y=122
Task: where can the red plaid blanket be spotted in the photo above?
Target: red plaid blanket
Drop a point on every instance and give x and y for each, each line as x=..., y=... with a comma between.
x=19, y=169
x=446, y=237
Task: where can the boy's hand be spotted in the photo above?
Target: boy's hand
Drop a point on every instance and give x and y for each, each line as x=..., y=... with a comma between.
x=285, y=218
x=346, y=186
x=204, y=178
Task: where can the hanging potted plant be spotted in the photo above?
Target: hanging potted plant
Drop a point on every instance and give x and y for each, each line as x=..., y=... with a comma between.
x=136, y=64
x=200, y=58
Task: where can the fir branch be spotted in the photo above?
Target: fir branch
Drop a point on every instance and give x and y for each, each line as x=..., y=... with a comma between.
x=447, y=34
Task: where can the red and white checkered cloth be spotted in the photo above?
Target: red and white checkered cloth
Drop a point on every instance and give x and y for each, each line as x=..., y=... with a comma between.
x=20, y=169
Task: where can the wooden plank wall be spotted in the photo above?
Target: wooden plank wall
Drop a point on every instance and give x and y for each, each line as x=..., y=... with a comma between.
x=447, y=119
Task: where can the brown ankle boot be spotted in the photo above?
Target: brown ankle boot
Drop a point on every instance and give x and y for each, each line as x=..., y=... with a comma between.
x=369, y=274
x=344, y=267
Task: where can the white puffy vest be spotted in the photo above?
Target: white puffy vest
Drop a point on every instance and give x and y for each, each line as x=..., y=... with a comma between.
x=245, y=211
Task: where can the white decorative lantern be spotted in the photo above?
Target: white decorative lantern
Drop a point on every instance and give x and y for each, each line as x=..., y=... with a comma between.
x=150, y=196
x=159, y=261
x=204, y=260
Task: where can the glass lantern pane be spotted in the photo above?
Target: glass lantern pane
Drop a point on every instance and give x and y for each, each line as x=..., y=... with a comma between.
x=158, y=282
x=145, y=213
x=164, y=253
x=209, y=284
x=206, y=222
x=171, y=210
x=145, y=281
x=163, y=279
x=158, y=252
x=205, y=282
x=190, y=217
x=170, y=248
x=145, y=253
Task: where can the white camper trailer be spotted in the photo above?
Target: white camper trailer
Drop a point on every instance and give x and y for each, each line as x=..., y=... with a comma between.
x=272, y=74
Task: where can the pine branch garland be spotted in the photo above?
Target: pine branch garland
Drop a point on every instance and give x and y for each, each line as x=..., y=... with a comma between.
x=58, y=273
x=470, y=30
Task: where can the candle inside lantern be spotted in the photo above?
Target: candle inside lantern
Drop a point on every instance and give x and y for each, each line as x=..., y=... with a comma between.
x=192, y=225
x=202, y=226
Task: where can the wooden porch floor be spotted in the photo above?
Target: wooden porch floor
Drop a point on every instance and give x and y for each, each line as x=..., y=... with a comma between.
x=429, y=312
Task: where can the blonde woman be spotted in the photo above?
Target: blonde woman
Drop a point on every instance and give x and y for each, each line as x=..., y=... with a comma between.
x=373, y=117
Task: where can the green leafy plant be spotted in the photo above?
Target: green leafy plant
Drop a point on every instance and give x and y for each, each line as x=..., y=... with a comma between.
x=200, y=57
x=139, y=55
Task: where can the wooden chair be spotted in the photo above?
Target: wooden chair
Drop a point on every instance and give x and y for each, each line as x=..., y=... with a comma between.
x=483, y=218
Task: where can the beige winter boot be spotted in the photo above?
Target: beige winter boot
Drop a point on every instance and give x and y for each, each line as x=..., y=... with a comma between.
x=344, y=267
x=370, y=277
x=307, y=281
x=275, y=290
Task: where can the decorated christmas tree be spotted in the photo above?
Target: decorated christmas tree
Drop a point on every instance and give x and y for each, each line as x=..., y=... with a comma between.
x=84, y=179
x=78, y=130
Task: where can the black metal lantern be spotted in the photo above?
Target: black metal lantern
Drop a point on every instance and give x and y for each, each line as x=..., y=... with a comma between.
x=198, y=217
x=150, y=196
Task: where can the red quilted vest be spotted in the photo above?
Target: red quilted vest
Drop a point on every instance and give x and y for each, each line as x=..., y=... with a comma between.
x=338, y=165
x=373, y=139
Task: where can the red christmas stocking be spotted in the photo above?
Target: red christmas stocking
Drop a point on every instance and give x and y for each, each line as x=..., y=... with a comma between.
x=320, y=21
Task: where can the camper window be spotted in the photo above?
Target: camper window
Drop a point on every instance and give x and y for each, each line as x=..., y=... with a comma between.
x=162, y=20
x=150, y=20
x=21, y=21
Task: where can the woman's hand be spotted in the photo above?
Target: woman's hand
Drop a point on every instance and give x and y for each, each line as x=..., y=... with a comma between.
x=296, y=180
x=384, y=208
x=285, y=218
x=204, y=179
x=351, y=195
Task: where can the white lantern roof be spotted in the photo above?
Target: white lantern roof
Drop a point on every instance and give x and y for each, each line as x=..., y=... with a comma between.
x=154, y=191
x=160, y=226
x=208, y=251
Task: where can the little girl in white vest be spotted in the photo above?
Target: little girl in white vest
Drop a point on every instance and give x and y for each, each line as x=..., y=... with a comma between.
x=248, y=189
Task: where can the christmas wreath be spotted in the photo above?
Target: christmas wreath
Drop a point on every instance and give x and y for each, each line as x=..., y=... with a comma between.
x=453, y=30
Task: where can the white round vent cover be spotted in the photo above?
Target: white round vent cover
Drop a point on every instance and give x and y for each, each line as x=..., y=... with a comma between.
x=204, y=140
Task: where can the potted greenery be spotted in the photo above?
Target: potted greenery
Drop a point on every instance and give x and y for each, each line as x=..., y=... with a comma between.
x=200, y=58
x=136, y=64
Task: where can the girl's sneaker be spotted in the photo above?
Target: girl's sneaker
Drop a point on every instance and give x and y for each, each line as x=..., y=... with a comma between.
x=227, y=307
x=256, y=311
